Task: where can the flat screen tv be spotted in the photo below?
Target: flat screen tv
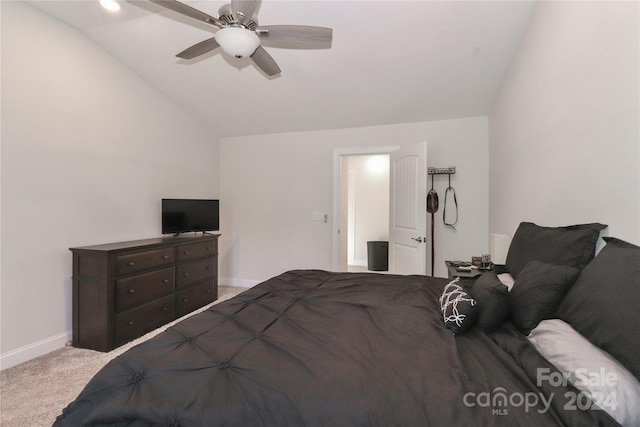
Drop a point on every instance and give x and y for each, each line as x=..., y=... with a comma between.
x=190, y=215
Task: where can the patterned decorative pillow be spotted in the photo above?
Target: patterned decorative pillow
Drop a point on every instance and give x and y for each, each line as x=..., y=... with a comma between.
x=459, y=310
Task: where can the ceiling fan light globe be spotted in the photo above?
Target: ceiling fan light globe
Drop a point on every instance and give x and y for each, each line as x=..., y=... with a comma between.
x=111, y=5
x=237, y=42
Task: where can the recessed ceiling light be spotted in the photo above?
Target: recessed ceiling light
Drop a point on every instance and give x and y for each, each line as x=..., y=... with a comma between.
x=111, y=5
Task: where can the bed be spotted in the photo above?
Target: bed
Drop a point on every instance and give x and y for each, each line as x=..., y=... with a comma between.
x=318, y=348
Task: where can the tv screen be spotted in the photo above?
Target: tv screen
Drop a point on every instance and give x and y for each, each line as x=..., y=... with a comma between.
x=185, y=215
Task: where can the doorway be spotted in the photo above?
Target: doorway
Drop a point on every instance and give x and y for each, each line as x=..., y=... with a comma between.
x=364, y=207
x=405, y=209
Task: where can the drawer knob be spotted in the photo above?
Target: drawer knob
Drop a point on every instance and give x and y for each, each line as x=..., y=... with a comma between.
x=165, y=256
x=165, y=281
x=185, y=274
x=186, y=252
x=208, y=291
x=165, y=308
x=130, y=323
x=132, y=291
x=131, y=263
x=185, y=300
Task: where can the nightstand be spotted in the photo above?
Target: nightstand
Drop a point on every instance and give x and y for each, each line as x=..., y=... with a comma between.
x=453, y=271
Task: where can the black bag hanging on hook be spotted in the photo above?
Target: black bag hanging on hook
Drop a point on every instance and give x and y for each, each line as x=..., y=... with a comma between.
x=432, y=201
x=432, y=208
x=444, y=210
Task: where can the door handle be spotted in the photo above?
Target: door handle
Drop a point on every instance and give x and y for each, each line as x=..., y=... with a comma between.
x=419, y=239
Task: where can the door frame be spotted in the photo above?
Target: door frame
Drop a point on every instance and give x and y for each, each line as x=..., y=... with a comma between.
x=337, y=154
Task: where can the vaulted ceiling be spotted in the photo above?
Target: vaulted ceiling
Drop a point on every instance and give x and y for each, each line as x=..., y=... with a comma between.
x=389, y=62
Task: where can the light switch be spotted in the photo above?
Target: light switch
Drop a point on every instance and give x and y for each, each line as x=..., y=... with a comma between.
x=320, y=216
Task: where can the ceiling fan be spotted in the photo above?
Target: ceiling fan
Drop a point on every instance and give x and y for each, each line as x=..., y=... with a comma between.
x=239, y=34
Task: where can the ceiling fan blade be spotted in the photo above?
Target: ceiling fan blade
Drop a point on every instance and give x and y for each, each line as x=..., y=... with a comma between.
x=296, y=34
x=244, y=9
x=199, y=49
x=265, y=62
x=186, y=10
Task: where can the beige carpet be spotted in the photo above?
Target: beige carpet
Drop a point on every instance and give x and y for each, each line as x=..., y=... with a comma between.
x=34, y=393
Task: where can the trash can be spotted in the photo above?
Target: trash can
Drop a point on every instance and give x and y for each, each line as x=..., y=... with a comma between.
x=378, y=256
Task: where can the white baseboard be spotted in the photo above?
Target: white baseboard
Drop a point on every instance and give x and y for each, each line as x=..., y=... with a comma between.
x=242, y=283
x=47, y=345
x=33, y=350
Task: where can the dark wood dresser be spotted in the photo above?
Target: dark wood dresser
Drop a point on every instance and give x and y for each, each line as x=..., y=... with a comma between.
x=124, y=290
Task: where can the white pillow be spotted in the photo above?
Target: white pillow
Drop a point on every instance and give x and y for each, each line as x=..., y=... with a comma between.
x=591, y=370
x=507, y=280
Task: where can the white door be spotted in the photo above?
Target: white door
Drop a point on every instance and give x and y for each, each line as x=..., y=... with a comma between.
x=407, y=210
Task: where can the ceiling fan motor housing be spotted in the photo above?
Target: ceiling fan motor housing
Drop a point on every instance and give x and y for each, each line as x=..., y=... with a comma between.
x=227, y=17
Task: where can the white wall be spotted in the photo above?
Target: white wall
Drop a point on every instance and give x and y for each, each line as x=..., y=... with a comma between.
x=271, y=184
x=88, y=151
x=564, y=129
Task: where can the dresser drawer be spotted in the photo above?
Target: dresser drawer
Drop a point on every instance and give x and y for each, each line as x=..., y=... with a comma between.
x=192, y=272
x=197, y=250
x=122, y=290
x=138, y=321
x=132, y=263
x=195, y=297
x=145, y=287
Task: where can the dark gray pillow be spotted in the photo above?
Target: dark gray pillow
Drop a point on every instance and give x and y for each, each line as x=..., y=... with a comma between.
x=492, y=298
x=604, y=303
x=573, y=245
x=459, y=310
x=536, y=291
